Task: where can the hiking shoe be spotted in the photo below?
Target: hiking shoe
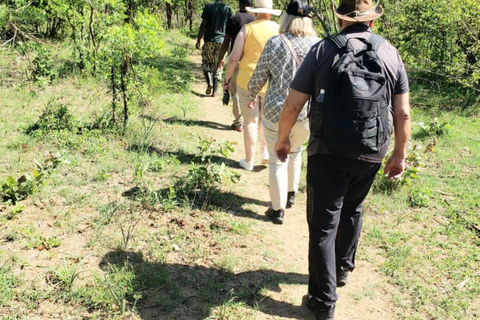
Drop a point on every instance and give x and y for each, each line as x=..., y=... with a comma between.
x=209, y=90
x=275, y=215
x=246, y=165
x=342, y=276
x=290, y=199
x=321, y=310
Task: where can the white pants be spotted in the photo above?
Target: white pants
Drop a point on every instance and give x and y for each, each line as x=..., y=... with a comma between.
x=284, y=176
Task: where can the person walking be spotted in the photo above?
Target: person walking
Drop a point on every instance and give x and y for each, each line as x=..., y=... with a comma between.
x=247, y=49
x=234, y=24
x=212, y=30
x=278, y=64
x=359, y=93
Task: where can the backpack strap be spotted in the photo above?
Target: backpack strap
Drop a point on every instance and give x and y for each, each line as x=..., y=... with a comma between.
x=339, y=40
x=292, y=50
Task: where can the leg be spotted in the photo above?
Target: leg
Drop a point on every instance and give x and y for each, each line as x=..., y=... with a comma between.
x=263, y=144
x=326, y=186
x=237, y=115
x=250, y=124
x=208, y=59
x=350, y=225
x=277, y=170
x=298, y=135
x=216, y=72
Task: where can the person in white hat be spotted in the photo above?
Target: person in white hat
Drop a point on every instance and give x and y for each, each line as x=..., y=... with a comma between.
x=247, y=48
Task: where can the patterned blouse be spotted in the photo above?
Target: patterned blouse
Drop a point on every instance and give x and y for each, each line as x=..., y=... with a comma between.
x=277, y=65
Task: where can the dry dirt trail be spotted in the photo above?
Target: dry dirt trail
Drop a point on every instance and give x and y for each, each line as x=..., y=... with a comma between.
x=365, y=297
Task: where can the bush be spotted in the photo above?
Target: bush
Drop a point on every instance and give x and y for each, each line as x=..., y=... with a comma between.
x=55, y=117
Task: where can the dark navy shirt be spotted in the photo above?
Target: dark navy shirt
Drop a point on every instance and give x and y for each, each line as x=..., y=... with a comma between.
x=236, y=22
x=216, y=14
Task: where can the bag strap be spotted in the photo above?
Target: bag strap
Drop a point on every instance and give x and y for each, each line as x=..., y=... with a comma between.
x=292, y=50
x=339, y=40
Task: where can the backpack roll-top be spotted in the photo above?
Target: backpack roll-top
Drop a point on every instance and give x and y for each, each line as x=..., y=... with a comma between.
x=350, y=110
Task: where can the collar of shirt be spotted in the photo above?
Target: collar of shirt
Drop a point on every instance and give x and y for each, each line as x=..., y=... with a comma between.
x=358, y=27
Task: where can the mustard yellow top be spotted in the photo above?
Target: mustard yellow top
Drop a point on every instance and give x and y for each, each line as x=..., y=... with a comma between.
x=256, y=35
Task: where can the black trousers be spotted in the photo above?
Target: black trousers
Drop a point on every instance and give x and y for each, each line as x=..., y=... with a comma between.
x=336, y=188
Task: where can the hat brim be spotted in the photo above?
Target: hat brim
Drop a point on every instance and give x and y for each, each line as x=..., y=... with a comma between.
x=375, y=13
x=275, y=12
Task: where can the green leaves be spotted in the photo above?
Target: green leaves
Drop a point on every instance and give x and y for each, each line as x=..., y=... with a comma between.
x=439, y=36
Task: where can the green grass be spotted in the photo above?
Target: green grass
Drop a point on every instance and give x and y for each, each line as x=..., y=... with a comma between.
x=431, y=251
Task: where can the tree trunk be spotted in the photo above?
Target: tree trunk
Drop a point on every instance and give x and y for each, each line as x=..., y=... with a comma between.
x=169, y=15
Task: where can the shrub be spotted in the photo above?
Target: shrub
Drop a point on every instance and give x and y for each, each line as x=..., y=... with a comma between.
x=55, y=117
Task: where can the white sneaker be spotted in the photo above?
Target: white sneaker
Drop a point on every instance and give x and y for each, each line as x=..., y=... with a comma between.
x=265, y=157
x=246, y=165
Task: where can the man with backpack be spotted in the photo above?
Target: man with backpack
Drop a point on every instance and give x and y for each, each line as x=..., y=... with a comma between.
x=358, y=89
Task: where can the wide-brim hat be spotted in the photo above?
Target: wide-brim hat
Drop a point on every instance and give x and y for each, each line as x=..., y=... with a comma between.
x=358, y=10
x=264, y=6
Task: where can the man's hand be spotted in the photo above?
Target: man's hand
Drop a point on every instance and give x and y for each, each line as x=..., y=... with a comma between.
x=251, y=105
x=221, y=64
x=198, y=45
x=282, y=149
x=395, y=167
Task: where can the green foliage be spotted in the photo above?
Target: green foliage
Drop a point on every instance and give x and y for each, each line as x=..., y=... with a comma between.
x=47, y=243
x=40, y=60
x=63, y=278
x=419, y=198
x=439, y=37
x=120, y=284
x=434, y=128
x=8, y=282
x=55, y=117
x=13, y=190
x=158, y=164
x=413, y=163
x=206, y=177
x=208, y=148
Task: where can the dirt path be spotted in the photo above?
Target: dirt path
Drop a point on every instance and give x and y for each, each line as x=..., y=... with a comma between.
x=365, y=297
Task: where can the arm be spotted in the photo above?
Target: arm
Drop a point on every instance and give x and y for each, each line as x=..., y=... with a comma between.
x=235, y=57
x=261, y=73
x=201, y=31
x=291, y=109
x=223, y=50
x=402, y=126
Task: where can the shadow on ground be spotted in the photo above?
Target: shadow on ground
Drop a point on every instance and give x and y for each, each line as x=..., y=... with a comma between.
x=224, y=201
x=179, y=291
x=199, y=123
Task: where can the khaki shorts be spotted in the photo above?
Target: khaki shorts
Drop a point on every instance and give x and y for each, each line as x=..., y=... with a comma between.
x=244, y=98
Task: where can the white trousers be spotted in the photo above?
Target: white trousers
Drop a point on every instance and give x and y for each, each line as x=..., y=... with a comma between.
x=284, y=176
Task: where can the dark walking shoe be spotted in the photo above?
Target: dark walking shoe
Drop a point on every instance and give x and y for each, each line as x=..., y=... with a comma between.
x=290, y=199
x=276, y=215
x=342, y=276
x=209, y=90
x=321, y=310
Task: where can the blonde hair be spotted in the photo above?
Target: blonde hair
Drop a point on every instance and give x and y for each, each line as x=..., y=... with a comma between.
x=297, y=26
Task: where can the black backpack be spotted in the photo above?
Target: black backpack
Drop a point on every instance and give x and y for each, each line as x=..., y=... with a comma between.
x=349, y=112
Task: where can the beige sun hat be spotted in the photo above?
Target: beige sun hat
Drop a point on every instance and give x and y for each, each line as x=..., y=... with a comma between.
x=358, y=10
x=264, y=6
